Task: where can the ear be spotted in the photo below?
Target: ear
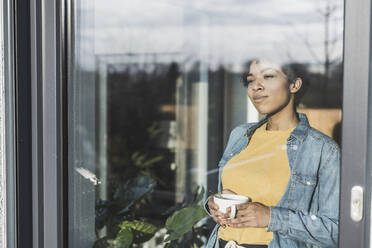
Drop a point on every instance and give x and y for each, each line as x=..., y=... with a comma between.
x=295, y=85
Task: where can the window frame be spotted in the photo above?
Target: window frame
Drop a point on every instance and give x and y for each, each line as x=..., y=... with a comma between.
x=356, y=125
x=40, y=111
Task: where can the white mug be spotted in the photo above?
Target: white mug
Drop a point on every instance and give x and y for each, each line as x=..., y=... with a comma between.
x=223, y=201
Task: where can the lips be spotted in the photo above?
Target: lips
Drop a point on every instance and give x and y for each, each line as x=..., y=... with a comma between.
x=258, y=99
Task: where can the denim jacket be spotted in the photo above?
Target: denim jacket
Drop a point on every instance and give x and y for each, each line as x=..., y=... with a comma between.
x=307, y=215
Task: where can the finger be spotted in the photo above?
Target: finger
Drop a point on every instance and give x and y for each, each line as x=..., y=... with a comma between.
x=244, y=206
x=240, y=220
x=212, y=205
x=242, y=215
x=245, y=222
x=245, y=212
x=242, y=225
x=222, y=215
x=213, y=212
x=220, y=222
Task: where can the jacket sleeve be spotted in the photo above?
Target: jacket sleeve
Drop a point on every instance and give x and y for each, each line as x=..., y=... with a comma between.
x=319, y=229
x=230, y=141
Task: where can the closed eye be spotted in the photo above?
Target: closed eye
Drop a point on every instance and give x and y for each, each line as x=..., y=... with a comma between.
x=269, y=76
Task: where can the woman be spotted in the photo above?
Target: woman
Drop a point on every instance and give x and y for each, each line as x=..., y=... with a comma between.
x=289, y=170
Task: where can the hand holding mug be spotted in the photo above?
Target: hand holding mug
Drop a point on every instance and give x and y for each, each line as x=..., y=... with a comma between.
x=229, y=202
x=218, y=216
x=223, y=205
x=250, y=214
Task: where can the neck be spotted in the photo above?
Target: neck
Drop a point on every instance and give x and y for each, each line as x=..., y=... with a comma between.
x=282, y=120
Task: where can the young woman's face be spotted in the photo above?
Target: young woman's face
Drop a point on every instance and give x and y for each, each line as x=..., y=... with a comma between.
x=268, y=88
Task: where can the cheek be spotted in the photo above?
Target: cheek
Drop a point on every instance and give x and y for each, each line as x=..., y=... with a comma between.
x=279, y=92
x=279, y=97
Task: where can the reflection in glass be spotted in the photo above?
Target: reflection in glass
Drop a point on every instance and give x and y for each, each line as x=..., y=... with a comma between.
x=154, y=91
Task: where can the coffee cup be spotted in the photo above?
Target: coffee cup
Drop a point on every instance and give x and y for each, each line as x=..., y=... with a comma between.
x=224, y=201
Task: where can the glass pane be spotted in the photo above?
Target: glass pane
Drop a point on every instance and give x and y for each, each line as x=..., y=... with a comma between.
x=155, y=88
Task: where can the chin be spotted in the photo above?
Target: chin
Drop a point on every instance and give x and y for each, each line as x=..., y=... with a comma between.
x=269, y=109
x=264, y=111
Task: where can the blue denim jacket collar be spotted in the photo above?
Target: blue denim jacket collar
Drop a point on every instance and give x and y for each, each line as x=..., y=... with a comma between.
x=299, y=133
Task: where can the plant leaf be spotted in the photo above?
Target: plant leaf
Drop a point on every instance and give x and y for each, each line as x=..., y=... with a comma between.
x=198, y=195
x=101, y=243
x=142, y=231
x=140, y=159
x=140, y=226
x=151, y=161
x=124, y=238
x=153, y=130
x=182, y=221
x=135, y=155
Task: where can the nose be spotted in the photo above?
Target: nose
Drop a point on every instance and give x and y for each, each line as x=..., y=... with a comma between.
x=257, y=85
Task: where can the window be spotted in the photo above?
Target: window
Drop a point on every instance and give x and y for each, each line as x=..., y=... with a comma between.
x=154, y=90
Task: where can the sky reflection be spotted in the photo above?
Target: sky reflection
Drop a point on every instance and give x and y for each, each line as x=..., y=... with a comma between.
x=220, y=32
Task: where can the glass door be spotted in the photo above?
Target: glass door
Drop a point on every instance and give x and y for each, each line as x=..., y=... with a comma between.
x=154, y=90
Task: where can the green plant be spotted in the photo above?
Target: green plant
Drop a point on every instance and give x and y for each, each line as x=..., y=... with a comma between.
x=183, y=221
x=133, y=231
x=181, y=226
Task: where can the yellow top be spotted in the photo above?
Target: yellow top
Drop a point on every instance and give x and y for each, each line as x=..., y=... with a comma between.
x=260, y=171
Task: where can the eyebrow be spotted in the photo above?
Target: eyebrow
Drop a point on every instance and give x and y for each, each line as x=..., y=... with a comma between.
x=263, y=70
